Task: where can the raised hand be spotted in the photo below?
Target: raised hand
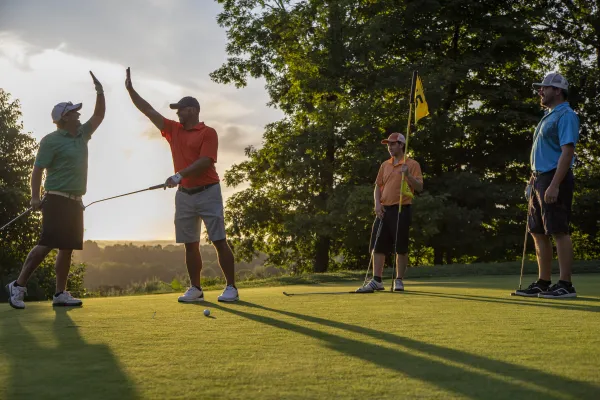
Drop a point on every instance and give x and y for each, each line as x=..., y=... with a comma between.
x=128, y=84
x=97, y=84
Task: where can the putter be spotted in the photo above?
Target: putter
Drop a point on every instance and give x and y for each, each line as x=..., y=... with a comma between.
x=373, y=250
x=524, y=243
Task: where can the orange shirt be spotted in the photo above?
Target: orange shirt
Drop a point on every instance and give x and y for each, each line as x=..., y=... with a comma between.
x=389, y=177
x=187, y=146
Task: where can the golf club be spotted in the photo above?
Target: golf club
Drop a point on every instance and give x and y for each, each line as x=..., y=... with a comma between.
x=161, y=186
x=531, y=194
x=17, y=217
x=373, y=251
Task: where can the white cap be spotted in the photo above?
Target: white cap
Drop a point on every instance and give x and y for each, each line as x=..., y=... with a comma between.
x=554, y=79
x=61, y=109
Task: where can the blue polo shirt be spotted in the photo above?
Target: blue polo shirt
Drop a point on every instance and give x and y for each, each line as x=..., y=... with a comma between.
x=558, y=127
x=65, y=159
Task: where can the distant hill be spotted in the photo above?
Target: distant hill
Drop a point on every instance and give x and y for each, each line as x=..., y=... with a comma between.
x=139, y=243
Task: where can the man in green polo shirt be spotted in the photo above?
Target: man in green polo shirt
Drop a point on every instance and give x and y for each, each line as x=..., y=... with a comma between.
x=64, y=155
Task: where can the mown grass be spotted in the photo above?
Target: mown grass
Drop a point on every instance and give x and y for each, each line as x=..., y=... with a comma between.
x=449, y=337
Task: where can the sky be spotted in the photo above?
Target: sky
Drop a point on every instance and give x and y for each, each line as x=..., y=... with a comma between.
x=47, y=49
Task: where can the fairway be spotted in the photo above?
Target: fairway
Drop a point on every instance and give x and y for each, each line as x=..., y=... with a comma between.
x=462, y=338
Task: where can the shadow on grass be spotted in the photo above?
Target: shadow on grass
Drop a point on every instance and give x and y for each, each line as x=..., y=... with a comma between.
x=67, y=368
x=430, y=363
x=565, y=304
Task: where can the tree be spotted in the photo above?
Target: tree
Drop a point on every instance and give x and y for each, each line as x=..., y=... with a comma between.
x=340, y=71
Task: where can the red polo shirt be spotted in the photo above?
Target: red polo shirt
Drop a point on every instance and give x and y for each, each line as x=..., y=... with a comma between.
x=187, y=146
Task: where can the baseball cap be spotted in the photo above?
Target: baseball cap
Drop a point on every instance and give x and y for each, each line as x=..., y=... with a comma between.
x=185, y=102
x=61, y=109
x=554, y=79
x=394, y=137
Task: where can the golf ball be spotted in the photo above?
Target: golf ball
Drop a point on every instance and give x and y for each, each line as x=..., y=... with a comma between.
x=207, y=312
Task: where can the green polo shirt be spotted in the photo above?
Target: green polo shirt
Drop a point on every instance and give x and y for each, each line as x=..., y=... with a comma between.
x=65, y=159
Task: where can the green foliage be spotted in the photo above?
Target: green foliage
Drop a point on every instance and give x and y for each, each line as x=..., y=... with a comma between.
x=340, y=71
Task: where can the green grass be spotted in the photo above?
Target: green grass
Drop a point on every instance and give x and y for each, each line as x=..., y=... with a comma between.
x=444, y=338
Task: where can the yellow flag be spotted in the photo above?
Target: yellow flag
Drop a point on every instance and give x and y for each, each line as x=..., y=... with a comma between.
x=406, y=192
x=421, y=109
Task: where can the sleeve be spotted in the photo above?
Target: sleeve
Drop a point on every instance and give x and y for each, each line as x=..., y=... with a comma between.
x=379, y=179
x=45, y=154
x=415, y=170
x=568, y=129
x=169, y=127
x=210, y=145
x=86, y=131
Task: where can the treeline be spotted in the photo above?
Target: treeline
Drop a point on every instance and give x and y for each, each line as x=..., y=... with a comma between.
x=122, y=265
x=341, y=72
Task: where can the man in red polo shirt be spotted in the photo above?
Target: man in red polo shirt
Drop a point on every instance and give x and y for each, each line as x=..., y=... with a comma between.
x=194, y=150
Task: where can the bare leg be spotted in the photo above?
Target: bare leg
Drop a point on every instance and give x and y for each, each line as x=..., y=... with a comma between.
x=543, y=250
x=564, y=248
x=193, y=261
x=62, y=267
x=226, y=261
x=401, y=265
x=33, y=260
x=378, y=262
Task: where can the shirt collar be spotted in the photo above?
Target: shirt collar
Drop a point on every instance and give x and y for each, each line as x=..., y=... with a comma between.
x=65, y=132
x=391, y=161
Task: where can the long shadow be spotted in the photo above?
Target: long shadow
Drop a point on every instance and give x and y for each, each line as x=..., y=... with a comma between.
x=530, y=302
x=475, y=384
x=71, y=368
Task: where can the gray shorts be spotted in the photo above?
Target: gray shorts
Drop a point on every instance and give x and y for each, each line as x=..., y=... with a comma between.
x=191, y=208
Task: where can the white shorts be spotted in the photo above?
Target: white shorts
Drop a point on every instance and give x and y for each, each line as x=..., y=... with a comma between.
x=191, y=208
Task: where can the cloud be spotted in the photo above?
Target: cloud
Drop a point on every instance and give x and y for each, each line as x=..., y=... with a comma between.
x=46, y=52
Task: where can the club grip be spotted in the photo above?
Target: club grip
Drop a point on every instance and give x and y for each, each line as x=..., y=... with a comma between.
x=162, y=185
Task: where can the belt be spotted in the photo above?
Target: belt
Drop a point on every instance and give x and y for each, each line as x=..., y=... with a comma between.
x=538, y=173
x=63, y=194
x=196, y=189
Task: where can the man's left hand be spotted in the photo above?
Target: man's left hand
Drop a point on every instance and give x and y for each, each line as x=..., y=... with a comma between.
x=551, y=194
x=174, y=180
x=404, y=169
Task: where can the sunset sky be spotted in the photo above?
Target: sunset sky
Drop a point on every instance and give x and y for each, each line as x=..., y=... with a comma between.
x=46, y=51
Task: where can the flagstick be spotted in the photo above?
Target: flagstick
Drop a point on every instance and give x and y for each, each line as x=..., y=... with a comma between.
x=411, y=102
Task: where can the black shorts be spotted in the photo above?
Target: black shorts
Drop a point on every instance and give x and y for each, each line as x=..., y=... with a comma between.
x=555, y=218
x=62, y=223
x=387, y=236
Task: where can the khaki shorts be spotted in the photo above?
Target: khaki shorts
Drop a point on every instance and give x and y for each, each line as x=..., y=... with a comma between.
x=190, y=209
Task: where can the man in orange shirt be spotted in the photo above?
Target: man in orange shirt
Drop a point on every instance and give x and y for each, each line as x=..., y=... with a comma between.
x=194, y=150
x=394, y=230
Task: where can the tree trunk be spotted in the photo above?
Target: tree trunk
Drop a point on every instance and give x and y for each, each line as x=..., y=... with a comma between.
x=438, y=255
x=321, y=263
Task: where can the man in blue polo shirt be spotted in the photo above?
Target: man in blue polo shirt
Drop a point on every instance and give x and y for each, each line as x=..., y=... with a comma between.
x=63, y=154
x=552, y=182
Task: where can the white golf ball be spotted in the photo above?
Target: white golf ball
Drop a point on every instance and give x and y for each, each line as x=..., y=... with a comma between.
x=207, y=312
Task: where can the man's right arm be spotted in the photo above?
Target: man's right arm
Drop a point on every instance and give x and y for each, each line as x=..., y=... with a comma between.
x=143, y=105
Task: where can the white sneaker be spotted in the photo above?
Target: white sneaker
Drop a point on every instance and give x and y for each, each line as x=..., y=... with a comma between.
x=229, y=294
x=16, y=294
x=65, y=299
x=192, y=295
x=398, y=285
x=370, y=287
